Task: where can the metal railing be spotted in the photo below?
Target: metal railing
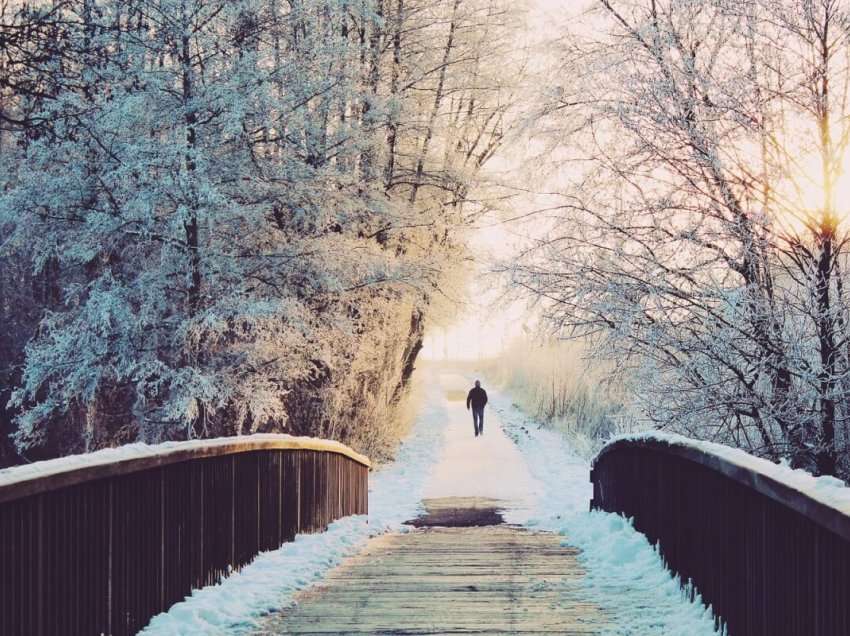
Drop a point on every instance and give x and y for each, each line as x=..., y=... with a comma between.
x=769, y=559
x=102, y=546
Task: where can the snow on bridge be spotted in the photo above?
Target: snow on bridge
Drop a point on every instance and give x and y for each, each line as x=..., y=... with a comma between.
x=463, y=534
x=552, y=566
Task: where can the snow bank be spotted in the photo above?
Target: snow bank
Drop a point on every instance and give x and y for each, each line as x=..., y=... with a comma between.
x=830, y=491
x=269, y=583
x=133, y=452
x=263, y=586
x=625, y=575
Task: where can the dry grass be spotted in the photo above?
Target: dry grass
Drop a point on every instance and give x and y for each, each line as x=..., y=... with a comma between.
x=553, y=382
x=388, y=423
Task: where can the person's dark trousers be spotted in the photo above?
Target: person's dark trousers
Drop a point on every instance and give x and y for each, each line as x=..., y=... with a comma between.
x=478, y=421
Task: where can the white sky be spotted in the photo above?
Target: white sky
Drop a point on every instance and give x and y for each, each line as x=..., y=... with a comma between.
x=487, y=322
x=488, y=325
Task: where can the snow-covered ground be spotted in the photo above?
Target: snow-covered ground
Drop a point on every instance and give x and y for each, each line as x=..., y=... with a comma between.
x=545, y=486
x=489, y=466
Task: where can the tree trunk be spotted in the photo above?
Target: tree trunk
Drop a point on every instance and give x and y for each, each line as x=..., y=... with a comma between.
x=438, y=100
x=392, y=127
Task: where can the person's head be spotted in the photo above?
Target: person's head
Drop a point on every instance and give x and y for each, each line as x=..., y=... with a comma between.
x=478, y=384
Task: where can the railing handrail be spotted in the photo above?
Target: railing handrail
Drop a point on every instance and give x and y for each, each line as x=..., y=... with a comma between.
x=756, y=473
x=18, y=482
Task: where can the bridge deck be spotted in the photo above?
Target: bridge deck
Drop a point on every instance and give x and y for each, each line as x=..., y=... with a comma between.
x=449, y=579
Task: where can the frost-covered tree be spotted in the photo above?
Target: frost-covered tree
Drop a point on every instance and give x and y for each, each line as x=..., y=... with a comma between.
x=223, y=201
x=698, y=241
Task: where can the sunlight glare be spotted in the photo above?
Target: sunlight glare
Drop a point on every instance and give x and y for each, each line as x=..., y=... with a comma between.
x=803, y=199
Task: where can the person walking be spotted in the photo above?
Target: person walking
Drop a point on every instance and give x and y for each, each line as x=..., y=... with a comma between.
x=477, y=399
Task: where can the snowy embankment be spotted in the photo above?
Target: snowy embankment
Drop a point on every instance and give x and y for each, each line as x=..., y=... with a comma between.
x=269, y=583
x=626, y=577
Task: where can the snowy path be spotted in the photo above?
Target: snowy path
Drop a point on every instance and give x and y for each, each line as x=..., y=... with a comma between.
x=494, y=579
x=478, y=576
x=543, y=487
x=490, y=466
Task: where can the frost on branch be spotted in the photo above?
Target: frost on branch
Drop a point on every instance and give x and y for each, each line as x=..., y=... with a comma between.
x=235, y=216
x=700, y=238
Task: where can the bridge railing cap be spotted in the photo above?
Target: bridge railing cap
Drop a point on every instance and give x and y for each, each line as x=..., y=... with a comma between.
x=30, y=479
x=825, y=500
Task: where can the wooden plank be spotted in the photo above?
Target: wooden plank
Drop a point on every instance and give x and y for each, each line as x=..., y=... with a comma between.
x=449, y=580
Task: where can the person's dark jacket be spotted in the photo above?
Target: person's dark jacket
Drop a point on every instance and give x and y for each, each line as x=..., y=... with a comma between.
x=477, y=398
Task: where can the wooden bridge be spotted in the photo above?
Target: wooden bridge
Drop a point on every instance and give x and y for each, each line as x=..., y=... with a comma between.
x=461, y=571
x=100, y=546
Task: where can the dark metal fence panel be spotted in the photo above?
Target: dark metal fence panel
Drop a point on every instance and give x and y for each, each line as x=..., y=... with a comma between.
x=103, y=553
x=768, y=561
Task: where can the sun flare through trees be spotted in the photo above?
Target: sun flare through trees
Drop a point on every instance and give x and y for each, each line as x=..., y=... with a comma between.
x=700, y=237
